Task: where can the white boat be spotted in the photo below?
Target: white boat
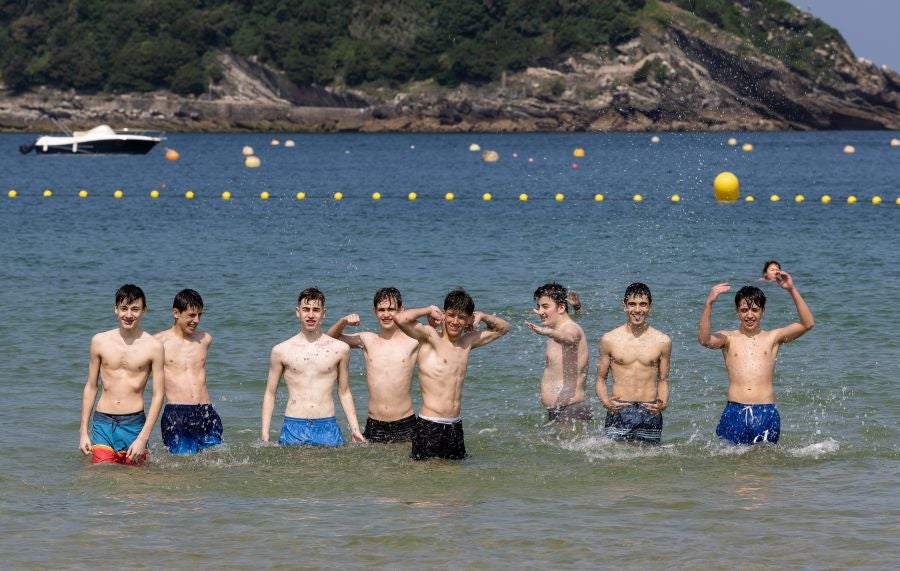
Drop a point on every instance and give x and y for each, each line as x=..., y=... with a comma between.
x=100, y=140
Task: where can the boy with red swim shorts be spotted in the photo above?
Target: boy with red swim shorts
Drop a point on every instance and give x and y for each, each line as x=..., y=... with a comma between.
x=122, y=360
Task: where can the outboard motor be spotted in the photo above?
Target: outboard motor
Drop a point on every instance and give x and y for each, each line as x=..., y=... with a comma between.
x=26, y=148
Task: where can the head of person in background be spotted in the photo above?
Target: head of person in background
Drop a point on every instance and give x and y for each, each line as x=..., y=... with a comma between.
x=770, y=269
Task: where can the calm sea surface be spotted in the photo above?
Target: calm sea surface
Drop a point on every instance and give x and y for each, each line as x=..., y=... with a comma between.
x=528, y=496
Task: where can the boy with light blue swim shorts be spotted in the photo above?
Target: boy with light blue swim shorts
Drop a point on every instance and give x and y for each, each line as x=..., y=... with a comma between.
x=313, y=365
x=750, y=417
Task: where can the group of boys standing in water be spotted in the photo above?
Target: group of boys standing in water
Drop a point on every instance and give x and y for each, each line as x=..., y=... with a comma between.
x=314, y=363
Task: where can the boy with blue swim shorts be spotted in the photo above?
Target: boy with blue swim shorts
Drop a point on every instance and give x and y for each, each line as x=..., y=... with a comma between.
x=189, y=423
x=122, y=360
x=750, y=416
x=313, y=365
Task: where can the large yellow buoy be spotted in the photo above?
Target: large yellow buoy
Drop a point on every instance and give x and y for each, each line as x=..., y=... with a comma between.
x=637, y=198
x=154, y=193
x=578, y=153
x=301, y=195
x=449, y=196
x=598, y=197
x=490, y=156
x=48, y=193
x=799, y=198
x=264, y=195
x=118, y=193
x=826, y=199
x=851, y=199
x=189, y=195
x=82, y=193
x=876, y=200
x=726, y=187
x=675, y=198
x=226, y=195
x=172, y=155
x=339, y=196
x=412, y=196
x=524, y=197
x=252, y=162
x=376, y=195
x=559, y=197
x=486, y=197
x=12, y=193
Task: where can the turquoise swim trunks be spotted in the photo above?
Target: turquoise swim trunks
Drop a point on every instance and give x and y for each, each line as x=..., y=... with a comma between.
x=112, y=434
x=310, y=432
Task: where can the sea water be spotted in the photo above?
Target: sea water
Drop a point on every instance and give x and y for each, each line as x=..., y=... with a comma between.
x=529, y=496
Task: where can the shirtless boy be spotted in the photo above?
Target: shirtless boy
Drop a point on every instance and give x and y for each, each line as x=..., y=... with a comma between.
x=443, y=359
x=750, y=417
x=312, y=364
x=189, y=424
x=390, y=359
x=122, y=360
x=565, y=359
x=638, y=356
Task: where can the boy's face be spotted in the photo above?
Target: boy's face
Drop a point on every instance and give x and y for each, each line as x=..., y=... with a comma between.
x=385, y=312
x=310, y=314
x=637, y=309
x=549, y=311
x=750, y=315
x=455, y=322
x=130, y=313
x=187, y=320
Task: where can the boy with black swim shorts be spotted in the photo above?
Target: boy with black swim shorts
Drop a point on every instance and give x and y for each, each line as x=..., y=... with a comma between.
x=122, y=360
x=189, y=423
x=390, y=360
x=750, y=416
x=638, y=356
x=312, y=365
x=443, y=359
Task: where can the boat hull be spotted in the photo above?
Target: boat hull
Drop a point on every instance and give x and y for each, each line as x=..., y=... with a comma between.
x=109, y=147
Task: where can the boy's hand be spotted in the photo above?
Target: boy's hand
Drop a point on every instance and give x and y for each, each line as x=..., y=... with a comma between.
x=352, y=319
x=784, y=280
x=716, y=291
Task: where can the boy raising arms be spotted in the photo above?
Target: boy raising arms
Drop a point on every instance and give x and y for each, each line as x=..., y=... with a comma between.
x=638, y=356
x=123, y=360
x=443, y=359
x=750, y=417
x=189, y=424
x=312, y=364
x=565, y=359
x=390, y=360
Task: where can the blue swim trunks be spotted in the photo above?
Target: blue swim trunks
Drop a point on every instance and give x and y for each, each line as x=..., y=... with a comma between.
x=749, y=423
x=310, y=432
x=112, y=434
x=190, y=428
x=634, y=422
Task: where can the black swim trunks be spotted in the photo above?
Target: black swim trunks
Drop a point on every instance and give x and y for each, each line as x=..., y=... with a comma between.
x=390, y=431
x=438, y=440
x=581, y=410
x=634, y=422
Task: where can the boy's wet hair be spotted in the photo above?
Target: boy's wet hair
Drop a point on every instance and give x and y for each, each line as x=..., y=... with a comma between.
x=388, y=294
x=555, y=291
x=769, y=263
x=459, y=300
x=311, y=294
x=753, y=296
x=638, y=289
x=187, y=298
x=129, y=293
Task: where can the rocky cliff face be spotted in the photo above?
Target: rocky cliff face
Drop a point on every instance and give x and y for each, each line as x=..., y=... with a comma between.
x=674, y=77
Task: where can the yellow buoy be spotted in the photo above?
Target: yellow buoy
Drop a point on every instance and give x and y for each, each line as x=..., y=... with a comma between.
x=226, y=195
x=486, y=196
x=524, y=197
x=560, y=197
x=732, y=142
x=598, y=197
x=252, y=162
x=449, y=196
x=172, y=155
x=264, y=195
x=48, y=193
x=412, y=196
x=851, y=199
x=301, y=195
x=749, y=199
x=897, y=201
x=774, y=198
x=189, y=195
x=247, y=151
x=726, y=187
x=474, y=147
x=747, y=147
x=490, y=156
x=339, y=195
x=154, y=193
x=578, y=153
x=118, y=193
x=676, y=198
x=849, y=149
x=637, y=198
x=876, y=200
x=826, y=199
x=799, y=198
x=376, y=195
x=82, y=193
x=12, y=193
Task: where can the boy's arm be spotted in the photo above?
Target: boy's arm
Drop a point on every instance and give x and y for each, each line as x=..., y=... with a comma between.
x=336, y=331
x=89, y=398
x=346, y=398
x=575, y=302
x=496, y=328
x=158, y=393
x=276, y=369
x=407, y=321
x=662, y=383
x=564, y=335
x=609, y=402
x=704, y=335
x=794, y=330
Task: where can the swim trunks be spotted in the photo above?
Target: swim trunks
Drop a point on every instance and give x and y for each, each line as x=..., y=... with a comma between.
x=749, y=423
x=190, y=428
x=438, y=438
x=634, y=422
x=310, y=432
x=390, y=431
x=112, y=434
x=581, y=410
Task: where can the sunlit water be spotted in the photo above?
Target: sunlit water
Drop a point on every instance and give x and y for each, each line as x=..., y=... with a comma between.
x=528, y=496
